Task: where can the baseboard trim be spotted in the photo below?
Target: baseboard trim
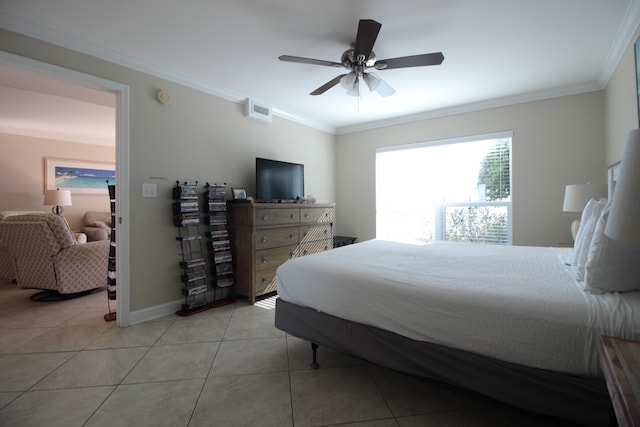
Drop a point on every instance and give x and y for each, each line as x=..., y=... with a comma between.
x=155, y=312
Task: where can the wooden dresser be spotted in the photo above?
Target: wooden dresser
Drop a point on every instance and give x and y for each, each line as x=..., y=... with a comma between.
x=265, y=235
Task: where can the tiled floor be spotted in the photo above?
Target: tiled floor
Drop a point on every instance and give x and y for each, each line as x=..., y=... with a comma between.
x=61, y=364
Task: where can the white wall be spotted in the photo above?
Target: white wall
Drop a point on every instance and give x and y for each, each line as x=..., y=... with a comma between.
x=621, y=104
x=555, y=142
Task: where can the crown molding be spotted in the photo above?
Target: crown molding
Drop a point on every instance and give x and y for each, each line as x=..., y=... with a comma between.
x=625, y=34
x=624, y=37
x=473, y=107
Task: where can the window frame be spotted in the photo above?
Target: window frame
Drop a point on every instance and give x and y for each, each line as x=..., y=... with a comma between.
x=439, y=229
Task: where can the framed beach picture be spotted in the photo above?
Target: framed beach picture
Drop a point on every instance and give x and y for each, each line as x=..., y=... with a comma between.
x=78, y=176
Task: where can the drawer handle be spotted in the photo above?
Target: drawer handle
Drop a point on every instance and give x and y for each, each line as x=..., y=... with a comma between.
x=290, y=236
x=304, y=234
x=291, y=216
x=306, y=215
x=264, y=239
x=264, y=280
x=264, y=260
x=264, y=217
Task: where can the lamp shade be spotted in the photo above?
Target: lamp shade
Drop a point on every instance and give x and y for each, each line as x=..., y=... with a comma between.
x=57, y=198
x=623, y=223
x=576, y=196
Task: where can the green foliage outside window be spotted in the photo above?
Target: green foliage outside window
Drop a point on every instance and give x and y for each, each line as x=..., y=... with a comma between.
x=494, y=172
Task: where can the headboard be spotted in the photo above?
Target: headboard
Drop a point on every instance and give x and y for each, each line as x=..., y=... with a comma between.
x=612, y=178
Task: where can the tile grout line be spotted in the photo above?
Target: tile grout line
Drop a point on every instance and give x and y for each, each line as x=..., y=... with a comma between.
x=206, y=378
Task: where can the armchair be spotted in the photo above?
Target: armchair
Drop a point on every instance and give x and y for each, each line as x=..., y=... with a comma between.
x=47, y=255
x=96, y=225
x=7, y=267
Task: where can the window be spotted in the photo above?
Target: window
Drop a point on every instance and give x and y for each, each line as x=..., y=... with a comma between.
x=456, y=189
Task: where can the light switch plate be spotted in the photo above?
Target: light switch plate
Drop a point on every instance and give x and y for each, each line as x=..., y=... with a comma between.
x=149, y=190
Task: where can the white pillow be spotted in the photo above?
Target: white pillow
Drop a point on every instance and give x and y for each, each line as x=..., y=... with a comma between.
x=590, y=215
x=611, y=266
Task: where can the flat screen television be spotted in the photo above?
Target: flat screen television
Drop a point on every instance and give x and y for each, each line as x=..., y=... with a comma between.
x=278, y=181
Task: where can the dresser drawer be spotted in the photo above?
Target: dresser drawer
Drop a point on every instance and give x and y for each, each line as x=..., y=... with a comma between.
x=272, y=258
x=276, y=237
x=277, y=216
x=314, y=215
x=310, y=233
x=265, y=281
x=314, y=247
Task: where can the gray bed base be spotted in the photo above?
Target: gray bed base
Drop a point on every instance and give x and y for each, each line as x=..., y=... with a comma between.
x=579, y=399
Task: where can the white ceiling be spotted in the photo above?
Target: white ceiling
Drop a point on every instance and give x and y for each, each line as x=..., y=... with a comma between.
x=496, y=51
x=39, y=106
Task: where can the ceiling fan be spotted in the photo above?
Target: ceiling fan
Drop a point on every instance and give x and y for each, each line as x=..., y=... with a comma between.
x=360, y=58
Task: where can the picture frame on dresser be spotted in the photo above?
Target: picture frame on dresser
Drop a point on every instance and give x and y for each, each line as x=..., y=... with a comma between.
x=238, y=193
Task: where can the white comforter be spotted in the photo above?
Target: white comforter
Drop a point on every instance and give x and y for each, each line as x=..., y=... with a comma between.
x=518, y=304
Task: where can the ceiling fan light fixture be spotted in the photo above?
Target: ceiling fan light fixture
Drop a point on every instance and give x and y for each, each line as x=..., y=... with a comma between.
x=355, y=89
x=353, y=92
x=372, y=81
x=348, y=81
x=360, y=58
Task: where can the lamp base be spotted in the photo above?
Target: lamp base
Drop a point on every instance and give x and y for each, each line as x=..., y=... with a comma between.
x=57, y=210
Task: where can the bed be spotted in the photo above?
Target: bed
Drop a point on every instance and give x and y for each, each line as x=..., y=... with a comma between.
x=513, y=323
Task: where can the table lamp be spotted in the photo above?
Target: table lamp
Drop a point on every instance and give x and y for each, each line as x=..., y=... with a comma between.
x=57, y=198
x=576, y=197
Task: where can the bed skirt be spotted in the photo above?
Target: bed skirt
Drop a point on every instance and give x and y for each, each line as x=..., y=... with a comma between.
x=579, y=399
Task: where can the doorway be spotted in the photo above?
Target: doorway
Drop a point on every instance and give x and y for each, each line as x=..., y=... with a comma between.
x=121, y=93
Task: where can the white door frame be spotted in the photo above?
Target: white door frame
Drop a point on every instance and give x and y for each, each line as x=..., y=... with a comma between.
x=122, y=162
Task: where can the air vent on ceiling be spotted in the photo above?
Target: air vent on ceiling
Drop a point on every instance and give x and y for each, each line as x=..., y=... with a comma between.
x=257, y=111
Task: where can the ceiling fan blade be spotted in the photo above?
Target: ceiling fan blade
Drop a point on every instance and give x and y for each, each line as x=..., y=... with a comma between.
x=289, y=58
x=375, y=83
x=328, y=85
x=368, y=30
x=435, y=58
